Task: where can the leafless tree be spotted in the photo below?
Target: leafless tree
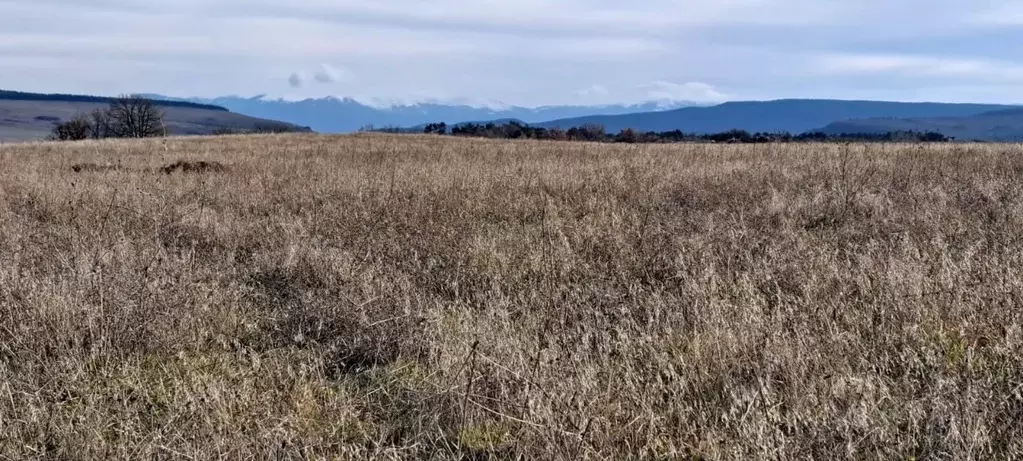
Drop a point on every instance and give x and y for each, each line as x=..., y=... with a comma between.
x=75, y=129
x=99, y=127
x=593, y=131
x=133, y=116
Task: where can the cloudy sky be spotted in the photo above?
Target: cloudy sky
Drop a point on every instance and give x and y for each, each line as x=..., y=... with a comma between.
x=526, y=52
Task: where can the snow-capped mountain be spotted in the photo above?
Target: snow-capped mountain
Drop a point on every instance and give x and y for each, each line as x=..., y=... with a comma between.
x=341, y=115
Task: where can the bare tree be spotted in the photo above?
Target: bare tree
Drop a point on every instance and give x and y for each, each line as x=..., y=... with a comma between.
x=133, y=116
x=75, y=129
x=593, y=132
x=99, y=128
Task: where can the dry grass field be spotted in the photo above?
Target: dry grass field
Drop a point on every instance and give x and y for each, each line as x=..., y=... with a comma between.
x=376, y=297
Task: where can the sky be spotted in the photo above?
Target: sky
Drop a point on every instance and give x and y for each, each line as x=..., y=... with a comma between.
x=520, y=52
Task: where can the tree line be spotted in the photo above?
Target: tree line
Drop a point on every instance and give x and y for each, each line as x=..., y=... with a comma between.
x=597, y=133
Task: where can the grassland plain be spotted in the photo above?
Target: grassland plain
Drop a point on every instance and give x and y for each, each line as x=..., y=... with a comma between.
x=369, y=296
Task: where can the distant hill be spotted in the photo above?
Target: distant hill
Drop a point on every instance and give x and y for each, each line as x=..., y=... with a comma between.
x=999, y=125
x=22, y=96
x=343, y=115
x=30, y=116
x=792, y=115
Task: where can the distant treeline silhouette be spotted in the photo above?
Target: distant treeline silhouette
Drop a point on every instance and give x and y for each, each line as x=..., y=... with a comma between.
x=22, y=96
x=596, y=133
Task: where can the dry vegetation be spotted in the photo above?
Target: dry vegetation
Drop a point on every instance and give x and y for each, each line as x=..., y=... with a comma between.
x=416, y=297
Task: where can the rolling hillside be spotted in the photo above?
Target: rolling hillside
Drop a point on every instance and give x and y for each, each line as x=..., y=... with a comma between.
x=28, y=117
x=792, y=115
x=1000, y=125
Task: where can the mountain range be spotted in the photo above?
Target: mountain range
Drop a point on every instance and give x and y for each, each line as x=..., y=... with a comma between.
x=25, y=116
x=791, y=115
x=964, y=121
x=345, y=115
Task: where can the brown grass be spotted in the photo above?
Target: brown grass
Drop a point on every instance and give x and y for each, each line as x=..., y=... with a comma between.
x=420, y=297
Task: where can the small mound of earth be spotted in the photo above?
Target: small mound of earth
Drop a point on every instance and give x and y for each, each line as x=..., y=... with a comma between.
x=194, y=167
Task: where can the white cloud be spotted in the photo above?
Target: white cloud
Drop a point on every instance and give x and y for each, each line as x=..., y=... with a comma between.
x=921, y=66
x=688, y=91
x=593, y=91
x=330, y=74
x=529, y=52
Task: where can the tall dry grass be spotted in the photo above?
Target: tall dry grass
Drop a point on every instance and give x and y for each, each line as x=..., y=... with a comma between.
x=418, y=297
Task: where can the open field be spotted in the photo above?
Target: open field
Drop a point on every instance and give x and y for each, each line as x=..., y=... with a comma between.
x=423, y=297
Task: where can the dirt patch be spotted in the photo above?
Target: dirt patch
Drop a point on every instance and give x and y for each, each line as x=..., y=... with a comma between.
x=193, y=167
x=87, y=167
